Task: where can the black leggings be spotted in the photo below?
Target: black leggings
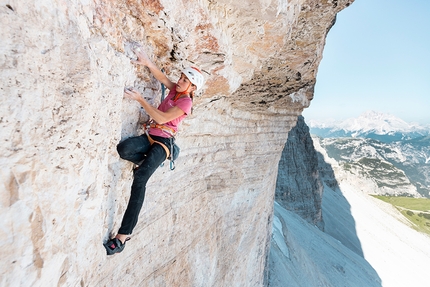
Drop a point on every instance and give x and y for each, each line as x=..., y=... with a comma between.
x=149, y=157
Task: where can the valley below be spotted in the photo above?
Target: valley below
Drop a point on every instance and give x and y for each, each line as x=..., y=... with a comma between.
x=374, y=226
x=365, y=242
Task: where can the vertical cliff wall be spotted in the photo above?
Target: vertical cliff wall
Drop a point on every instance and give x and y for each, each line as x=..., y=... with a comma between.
x=64, y=65
x=298, y=186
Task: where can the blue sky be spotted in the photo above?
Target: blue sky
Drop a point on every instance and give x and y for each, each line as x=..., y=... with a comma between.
x=376, y=57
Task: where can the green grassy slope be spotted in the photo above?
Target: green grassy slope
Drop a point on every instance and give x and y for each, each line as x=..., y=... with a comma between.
x=416, y=210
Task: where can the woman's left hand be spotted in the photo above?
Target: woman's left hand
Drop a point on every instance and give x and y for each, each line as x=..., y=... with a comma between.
x=157, y=115
x=132, y=94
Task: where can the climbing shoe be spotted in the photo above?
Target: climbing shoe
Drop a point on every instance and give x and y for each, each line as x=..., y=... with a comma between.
x=115, y=246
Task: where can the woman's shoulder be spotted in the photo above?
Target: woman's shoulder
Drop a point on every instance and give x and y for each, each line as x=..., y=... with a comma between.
x=185, y=99
x=185, y=104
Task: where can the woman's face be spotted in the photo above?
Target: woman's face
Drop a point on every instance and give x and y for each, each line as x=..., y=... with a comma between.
x=184, y=85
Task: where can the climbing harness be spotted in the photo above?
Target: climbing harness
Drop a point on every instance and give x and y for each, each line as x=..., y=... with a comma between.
x=171, y=151
x=151, y=124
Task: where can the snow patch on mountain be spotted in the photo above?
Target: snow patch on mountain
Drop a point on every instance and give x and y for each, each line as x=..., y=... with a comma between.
x=378, y=122
x=370, y=122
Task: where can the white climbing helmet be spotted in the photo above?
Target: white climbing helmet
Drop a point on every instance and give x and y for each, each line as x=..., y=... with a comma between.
x=195, y=76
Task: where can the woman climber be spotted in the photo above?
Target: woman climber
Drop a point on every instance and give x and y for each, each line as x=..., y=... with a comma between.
x=149, y=150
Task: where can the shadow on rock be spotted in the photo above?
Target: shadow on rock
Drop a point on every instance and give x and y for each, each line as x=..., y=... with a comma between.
x=314, y=240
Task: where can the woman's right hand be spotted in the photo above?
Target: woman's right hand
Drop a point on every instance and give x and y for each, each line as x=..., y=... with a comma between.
x=143, y=59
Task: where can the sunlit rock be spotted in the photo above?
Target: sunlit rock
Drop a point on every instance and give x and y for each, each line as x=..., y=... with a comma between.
x=64, y=65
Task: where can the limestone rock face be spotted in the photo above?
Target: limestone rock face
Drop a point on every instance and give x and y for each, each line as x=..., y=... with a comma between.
x=64, y=65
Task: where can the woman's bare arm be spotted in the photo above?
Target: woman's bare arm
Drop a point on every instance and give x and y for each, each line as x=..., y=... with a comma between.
x=143, y=59
x=158, y=116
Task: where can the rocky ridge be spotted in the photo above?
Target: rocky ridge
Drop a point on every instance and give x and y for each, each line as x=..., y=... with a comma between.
x=299, y=187
x=365, y=241
x=396, y=168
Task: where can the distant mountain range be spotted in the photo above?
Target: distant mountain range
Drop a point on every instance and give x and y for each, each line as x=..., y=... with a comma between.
x=395, y=155
x=400, y=168
x=374, y=125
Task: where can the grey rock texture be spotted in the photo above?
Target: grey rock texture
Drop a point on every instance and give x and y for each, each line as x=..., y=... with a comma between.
x=298, y=186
